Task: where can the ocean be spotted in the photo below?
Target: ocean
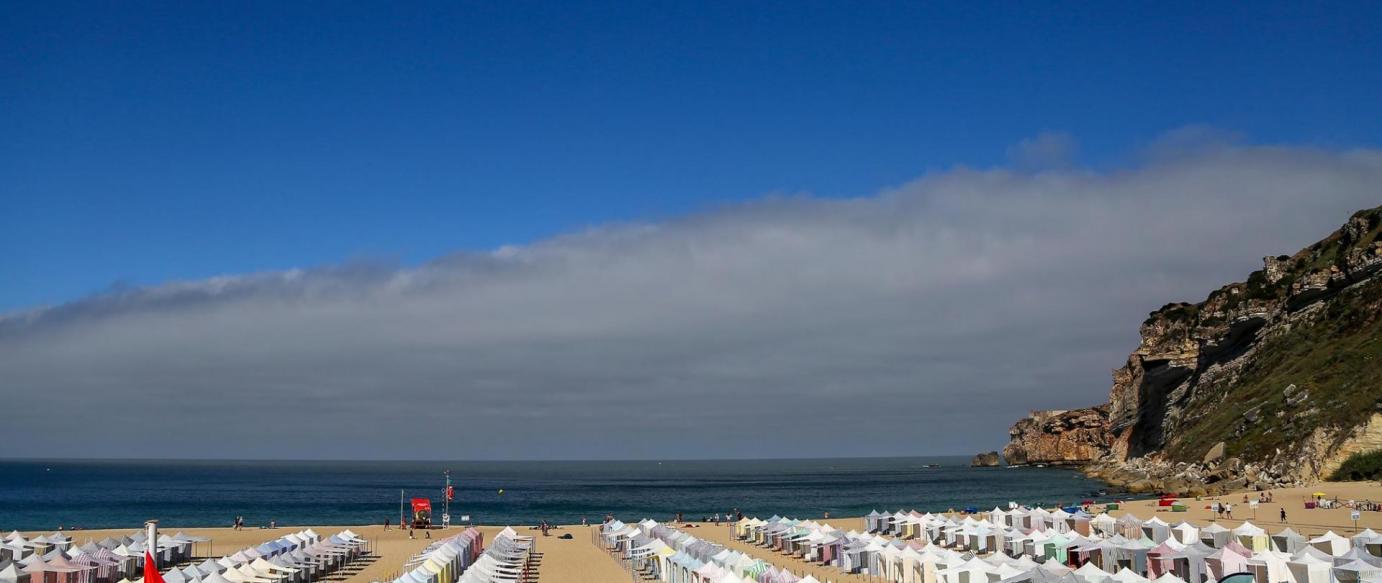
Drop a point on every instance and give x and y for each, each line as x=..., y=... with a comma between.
x=43, y=495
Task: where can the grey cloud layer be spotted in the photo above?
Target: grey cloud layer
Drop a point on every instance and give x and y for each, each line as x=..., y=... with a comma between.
x=920, y=320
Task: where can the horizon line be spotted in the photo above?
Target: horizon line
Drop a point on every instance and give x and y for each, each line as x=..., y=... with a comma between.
x=520, y=460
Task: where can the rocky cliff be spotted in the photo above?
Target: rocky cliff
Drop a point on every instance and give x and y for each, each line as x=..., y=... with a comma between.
x=1284, y=370
x=1059, y=437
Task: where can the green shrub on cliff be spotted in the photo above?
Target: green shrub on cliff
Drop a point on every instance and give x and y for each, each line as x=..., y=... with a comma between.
x=1334, y=363
x=1360, y=466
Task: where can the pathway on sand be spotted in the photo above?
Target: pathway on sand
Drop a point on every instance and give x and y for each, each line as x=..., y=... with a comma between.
x=576, y=560
x=561, y=561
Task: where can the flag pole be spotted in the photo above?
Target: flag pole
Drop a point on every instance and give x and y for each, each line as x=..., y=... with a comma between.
x=151, y=545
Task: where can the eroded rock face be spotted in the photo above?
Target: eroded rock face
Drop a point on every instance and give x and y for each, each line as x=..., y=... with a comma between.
x=986, y=460
x=1195, y=378
x=1059, y=437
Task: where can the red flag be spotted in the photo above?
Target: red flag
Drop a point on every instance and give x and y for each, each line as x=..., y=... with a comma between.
x=150, y=570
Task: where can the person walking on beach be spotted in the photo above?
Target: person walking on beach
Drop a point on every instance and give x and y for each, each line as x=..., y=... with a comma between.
x=1283, y=515
x=1228, y=510
x=410, y=532
x=386, y=524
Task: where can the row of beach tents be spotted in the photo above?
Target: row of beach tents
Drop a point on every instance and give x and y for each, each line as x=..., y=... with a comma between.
x=295, y=558
x=463, y=558
x=300, y=557
x=664, y=553
x=1020, y=544
x=54, y=558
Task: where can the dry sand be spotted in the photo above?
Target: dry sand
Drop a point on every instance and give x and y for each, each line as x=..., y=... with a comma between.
x=1268, y=514
x=579, y=561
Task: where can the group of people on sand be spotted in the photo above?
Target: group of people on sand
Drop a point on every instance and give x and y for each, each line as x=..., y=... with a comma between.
x=239, y=523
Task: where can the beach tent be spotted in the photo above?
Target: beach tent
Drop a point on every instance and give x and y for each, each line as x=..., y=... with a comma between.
x=1233, y=558
x=1215, y=535
x=1311, y=565
x=1156, y=529
x=1054, y=547
x=11, y=573
x=1288, y=541
x=1369, y=542
x=1331, y=543
x=11, y=551
x=1357, y=554
x=1059, y=519
x=1269, y=566
x=1125, y=575
x=873, y=521
x=1091, y=573
x=1185, y=532
x=1129, y=526
x=1161, y=559
x=1251, y=536
x=1126, y=552
x=1356, y=571
x=1168, y=578
x=971, y=571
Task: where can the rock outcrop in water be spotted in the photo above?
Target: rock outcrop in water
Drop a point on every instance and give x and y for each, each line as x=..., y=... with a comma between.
x=986, y=460
x=1284, y=370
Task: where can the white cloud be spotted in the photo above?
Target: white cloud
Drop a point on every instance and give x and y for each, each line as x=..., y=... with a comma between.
x=922, y=319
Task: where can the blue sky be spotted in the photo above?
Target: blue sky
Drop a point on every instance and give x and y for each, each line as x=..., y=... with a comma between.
x=172, y=141
x=618, y=222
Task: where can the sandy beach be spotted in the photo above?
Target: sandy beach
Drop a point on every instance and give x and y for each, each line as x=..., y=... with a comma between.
x=577, y=560
x=1268, y=514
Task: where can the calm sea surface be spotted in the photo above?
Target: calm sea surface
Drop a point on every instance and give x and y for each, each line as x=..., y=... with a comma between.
x=122, y=494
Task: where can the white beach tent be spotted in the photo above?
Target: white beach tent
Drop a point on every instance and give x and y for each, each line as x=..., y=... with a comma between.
x=1103, y=524
x=1269, y=567
x=1368, y=540
x=971, y=571
x=1355, y=571
x=1126, y=575
x=1091, y=573
x=1331, y=543
x=11, y=573
x=1215, y=535
x=1185, y=532
x=1251, y=536
x=1311, y=565
x=1168, y=578
x=1288, y=541
x=1156, y=529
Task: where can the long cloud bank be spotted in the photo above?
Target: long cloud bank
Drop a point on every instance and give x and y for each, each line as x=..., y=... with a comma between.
x=923, y=319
